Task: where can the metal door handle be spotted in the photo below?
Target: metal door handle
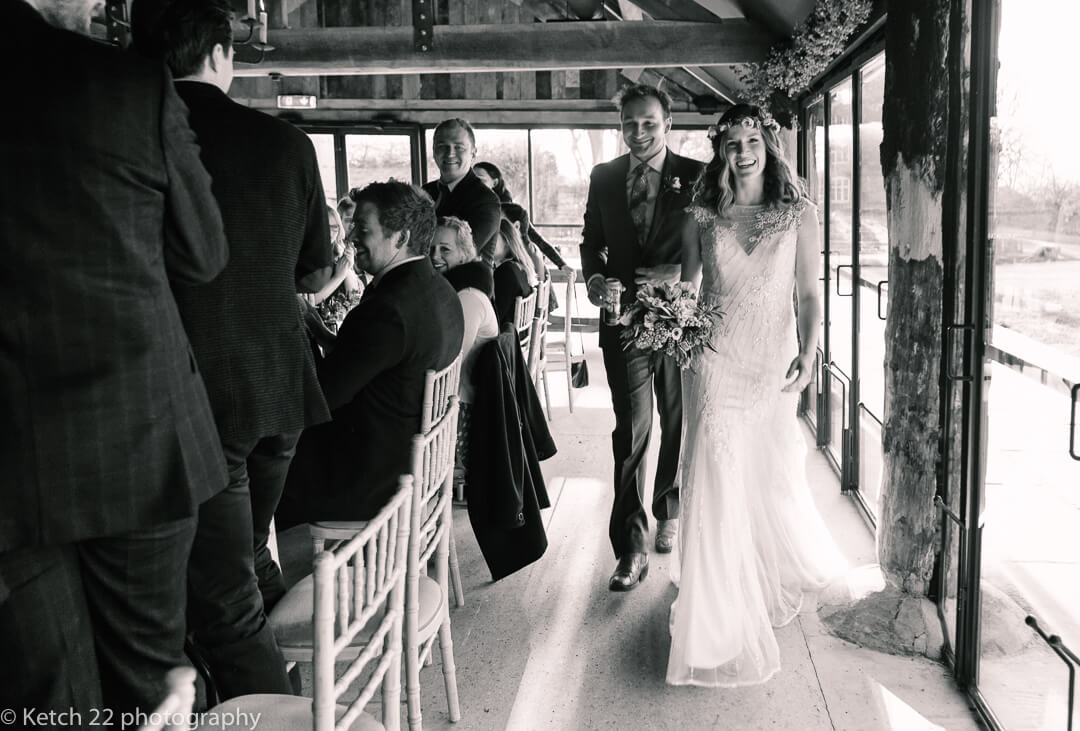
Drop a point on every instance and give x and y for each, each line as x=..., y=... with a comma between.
x=1072, y=421
x=838, y=292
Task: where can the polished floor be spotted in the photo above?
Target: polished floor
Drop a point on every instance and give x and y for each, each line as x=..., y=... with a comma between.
x=551, y=648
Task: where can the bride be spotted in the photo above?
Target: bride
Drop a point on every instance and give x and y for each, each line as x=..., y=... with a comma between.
x=752, y=545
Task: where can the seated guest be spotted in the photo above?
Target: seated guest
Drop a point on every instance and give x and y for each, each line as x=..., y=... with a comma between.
x=345, y=209
x=343, y=290
x=514, y=273
x=490, y=175
x=458, y=192
x=454, y=254
x=408, y=321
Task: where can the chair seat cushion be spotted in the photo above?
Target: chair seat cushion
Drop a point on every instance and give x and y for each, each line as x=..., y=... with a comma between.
x=292, y=619
x=274, y=713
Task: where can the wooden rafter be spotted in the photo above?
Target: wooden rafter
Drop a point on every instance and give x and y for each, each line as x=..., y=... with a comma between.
x=520, y=47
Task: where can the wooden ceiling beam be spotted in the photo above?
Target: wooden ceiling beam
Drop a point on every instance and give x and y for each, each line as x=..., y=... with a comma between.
x=517, y=47
x=671, y=9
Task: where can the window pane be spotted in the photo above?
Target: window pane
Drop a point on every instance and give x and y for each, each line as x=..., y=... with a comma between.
x=377, y=158
x=562, y=161
x=1031, y=511
x=873, y=240
x=324, y=151
x=508, y=150
x=815, y=183
x=693, y=143
x=839, y=291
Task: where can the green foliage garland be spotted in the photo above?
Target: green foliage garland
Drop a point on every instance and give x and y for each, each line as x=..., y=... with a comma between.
x=792, y=64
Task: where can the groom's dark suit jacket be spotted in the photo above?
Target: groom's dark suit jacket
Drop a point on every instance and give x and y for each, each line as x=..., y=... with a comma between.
x=408, y=322
x=609, y=241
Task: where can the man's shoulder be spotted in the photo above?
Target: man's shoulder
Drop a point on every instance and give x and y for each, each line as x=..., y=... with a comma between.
x=478, y=192
x=685, y=163
x=268, y=126
x=611, y=166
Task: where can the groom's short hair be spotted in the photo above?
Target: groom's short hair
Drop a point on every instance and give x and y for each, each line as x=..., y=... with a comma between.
x=643, y=91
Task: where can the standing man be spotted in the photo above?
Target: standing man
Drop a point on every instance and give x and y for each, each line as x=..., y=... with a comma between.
x=247, y=337
x=106, y=435
x=633, y=219
x=458, y=192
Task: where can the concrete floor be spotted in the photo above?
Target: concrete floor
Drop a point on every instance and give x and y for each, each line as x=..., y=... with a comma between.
x=551, y=648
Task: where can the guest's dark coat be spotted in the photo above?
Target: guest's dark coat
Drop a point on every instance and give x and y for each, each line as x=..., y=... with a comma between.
x=517, y=215
x=508, y=439
x=474, y=203
x=408, y=322
x=610, y=244
x=511, y=282
x=105, y=427
x=244, y=328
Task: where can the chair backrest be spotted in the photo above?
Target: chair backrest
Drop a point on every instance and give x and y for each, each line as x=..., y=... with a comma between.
x=538, y=334
x=361, y=582
x=524, y=312
x=174, y=713
x=433, y=472
x=439, y=386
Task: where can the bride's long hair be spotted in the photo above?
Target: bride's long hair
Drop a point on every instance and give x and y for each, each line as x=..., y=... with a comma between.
x=715, y=187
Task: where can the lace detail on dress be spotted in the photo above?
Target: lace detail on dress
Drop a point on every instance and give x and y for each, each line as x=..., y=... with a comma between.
x=773, y=221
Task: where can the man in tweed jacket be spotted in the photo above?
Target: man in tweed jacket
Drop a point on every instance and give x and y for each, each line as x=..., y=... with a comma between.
x=246, y=333
x=107, y=440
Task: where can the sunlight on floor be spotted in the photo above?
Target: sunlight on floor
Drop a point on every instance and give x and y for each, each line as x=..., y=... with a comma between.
x=899, y=716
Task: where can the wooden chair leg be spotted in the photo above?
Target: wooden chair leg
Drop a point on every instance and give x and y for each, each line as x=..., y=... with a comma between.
x=446, y=649
x=455, y=571
x=547, y=392
x=569, y=382
x=412, y=684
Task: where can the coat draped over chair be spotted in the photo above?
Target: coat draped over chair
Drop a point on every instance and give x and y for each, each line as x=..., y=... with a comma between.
x=505, y=490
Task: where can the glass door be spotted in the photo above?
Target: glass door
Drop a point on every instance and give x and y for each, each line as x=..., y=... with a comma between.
x=872, y=272
x=842, y=247
x=1030, y=517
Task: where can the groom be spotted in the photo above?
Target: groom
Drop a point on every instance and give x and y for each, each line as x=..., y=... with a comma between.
x=633, y=219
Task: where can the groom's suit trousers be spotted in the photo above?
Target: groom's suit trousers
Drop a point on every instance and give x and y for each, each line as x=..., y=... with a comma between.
x=634, y=377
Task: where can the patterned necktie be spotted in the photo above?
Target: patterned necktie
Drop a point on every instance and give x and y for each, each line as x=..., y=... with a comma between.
x=639, y=200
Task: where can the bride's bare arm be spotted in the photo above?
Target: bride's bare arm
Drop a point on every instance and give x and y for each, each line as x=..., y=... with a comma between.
x=691, y=251
x=807, y=259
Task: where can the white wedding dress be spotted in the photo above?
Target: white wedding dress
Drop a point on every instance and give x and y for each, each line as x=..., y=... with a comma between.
x=752, y=545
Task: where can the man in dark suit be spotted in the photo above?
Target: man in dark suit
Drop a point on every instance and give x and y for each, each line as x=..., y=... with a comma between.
x=458, y=192
x=633, y=220
x=247, y=338
x=106, y=434
x=408, y=321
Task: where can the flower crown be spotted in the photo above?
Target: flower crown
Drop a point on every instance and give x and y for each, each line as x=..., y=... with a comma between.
x=763, y=121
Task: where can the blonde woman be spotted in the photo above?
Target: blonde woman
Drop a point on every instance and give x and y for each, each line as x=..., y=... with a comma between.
x=753, y=547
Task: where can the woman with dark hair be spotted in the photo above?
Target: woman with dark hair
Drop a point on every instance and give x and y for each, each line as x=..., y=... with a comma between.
x=753, y=548
x=453, y=253
x=515, y=274
x=490, y=175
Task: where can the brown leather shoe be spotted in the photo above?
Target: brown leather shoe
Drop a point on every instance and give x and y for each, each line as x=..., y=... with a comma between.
x=632, y=569
x=667, y=532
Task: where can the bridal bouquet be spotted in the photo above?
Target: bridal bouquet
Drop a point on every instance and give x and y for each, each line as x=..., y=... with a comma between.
x=667, y=319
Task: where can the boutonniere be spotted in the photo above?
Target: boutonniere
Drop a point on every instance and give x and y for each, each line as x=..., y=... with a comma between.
x=673, y=184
